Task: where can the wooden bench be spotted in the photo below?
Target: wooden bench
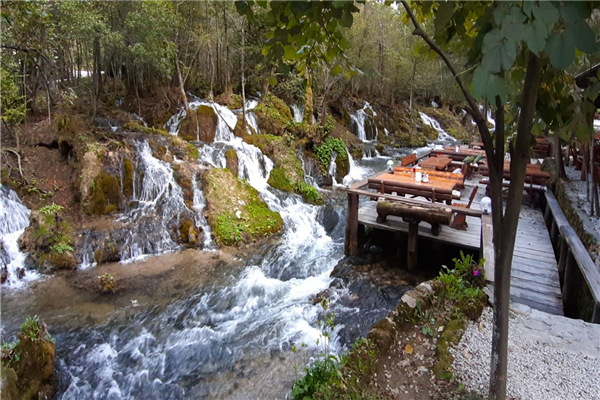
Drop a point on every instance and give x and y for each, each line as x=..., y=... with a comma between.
x=409, y=160
x=414, y=214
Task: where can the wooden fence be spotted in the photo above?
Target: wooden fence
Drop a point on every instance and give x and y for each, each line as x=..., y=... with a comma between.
x=575, y=266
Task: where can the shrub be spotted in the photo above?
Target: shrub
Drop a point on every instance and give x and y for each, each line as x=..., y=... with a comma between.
x=326, y=149
x=51, y=209
x=107, y=282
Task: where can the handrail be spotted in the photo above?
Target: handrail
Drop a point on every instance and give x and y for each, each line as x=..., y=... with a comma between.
x=571, y=253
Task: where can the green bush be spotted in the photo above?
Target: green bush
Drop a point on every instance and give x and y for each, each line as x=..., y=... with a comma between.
x=324, y=151
x=51, y=209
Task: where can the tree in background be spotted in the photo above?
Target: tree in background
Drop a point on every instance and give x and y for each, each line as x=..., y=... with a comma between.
x=518, y=55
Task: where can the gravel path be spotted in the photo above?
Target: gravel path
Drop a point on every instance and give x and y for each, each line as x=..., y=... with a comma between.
x=549, y=357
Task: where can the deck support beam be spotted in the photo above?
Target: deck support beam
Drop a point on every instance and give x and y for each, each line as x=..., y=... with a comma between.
x=351, y=242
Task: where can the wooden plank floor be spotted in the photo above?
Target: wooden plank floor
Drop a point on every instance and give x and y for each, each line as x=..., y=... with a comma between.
x=534, y=279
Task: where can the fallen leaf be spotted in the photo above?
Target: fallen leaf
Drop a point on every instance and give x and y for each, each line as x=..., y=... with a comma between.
x=408, y=349
x=441, y=329
x=480, y=325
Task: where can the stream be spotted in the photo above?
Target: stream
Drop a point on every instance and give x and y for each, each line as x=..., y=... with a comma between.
x=198, y=332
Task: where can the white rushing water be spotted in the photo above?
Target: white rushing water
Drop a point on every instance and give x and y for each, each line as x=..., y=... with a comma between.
x=14, y=218
x=264, y=309
x=358, y=120
x=442, y=134
x=297, y=112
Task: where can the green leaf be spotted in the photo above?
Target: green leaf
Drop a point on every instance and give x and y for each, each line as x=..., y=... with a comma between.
x=488, y=85
x=499, y=52
x=443, y=15
x=265, y=50
x=272, y=81
x=347, y=19
x=586, y=38
x=561, y=49
x=512, y=25
x=536, y=36
x=337, y=69
x=546, y=13
x=289, y=52
x=528, y=7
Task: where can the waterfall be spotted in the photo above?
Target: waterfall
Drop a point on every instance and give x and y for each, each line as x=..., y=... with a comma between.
x=251, y=118
x=297, y=112
x=358, y=120
x=331, y=171
x=199, y=205
x=173, y=124
x=355, y=172
x=138, y=118
x=14, y=218
x=442, y=134
x=158, y=195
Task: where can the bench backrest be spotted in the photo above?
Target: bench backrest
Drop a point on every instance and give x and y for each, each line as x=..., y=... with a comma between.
x=409, y=160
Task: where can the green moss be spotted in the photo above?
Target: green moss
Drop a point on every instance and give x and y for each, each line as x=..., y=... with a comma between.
x=188, y=232
x=104, y=193
x=273, y=115
x=310, y=194
x=226, y=196
x=127, y=177
x=192, y=151
x=231, y=161
x=137, y=127
x=449, y=338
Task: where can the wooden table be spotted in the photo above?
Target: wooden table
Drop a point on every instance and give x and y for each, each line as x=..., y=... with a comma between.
x=403, y=183
x=437, y=163
x=460, y=155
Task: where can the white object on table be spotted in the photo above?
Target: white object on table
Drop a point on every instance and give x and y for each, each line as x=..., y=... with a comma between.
x=418, y=176
x=486, y=205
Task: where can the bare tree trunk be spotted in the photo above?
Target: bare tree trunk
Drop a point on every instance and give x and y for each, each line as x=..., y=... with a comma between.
x=228, y=88
x=412, y=85
x=243, y=76
x=212, y=72
x=96, y=72
x=505, y=229
x=558, y=158
x=308, y=100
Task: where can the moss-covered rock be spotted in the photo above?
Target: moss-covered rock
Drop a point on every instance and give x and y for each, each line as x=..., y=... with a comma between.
x=273, y=115
x=28, y=364
x=136, y=126
x=287, y=173
x=235, y=211
x=202, y=124
x=104, y=195
x=231, y=161
x=90, y=168
x=48, y=239
x=231, y=100
x=107, y=252
x=127, y=177
x=189, y=233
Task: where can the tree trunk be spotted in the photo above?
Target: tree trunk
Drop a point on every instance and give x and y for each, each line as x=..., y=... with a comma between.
x=558, y=158
x=412, y=85
x=243, y=76
x=228, y=88
x=212, y=71
x=96, y=72
x=505, y=227
x=308, y=101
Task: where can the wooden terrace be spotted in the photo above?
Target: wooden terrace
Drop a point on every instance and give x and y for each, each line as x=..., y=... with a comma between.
x=535, y=275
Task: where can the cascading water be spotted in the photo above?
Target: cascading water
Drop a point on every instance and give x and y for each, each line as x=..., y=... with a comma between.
x=297, y=112
x=263, y=309
x=199, y=205
x=14, y=218
x=442, y=134
x=358, y=120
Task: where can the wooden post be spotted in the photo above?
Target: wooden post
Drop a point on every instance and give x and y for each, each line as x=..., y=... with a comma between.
x=568, y=280
x=562, y=260
x=351, y=242
x=596, y=314
x=413, y=237
x=547, y=214
x=554, y=233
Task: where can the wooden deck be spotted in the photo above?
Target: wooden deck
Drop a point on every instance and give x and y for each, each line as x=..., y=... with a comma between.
x=534, y=280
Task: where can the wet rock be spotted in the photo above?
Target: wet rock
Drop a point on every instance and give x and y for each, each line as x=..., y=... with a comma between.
x=231, y=161
x=202, y=124
x=91, y=167
x=328, y=217
x=28, y=365
x=8, y=381
x=48, y=241
x=322, y=295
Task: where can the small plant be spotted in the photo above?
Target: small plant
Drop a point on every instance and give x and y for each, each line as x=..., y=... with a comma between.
x=107, y=282
x=51, y=209
x=326, y=149
x=61, y=247
x=31, y=327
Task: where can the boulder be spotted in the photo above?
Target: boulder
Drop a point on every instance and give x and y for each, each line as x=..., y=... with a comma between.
x=231, y=161
x=202, y=124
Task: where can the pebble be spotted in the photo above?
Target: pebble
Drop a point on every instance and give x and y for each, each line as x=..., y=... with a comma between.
x=537, y=367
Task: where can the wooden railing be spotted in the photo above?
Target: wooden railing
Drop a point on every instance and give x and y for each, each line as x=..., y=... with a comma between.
x=574, y=261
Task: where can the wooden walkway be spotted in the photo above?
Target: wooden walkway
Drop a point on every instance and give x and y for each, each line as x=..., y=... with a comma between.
x=534, y=279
